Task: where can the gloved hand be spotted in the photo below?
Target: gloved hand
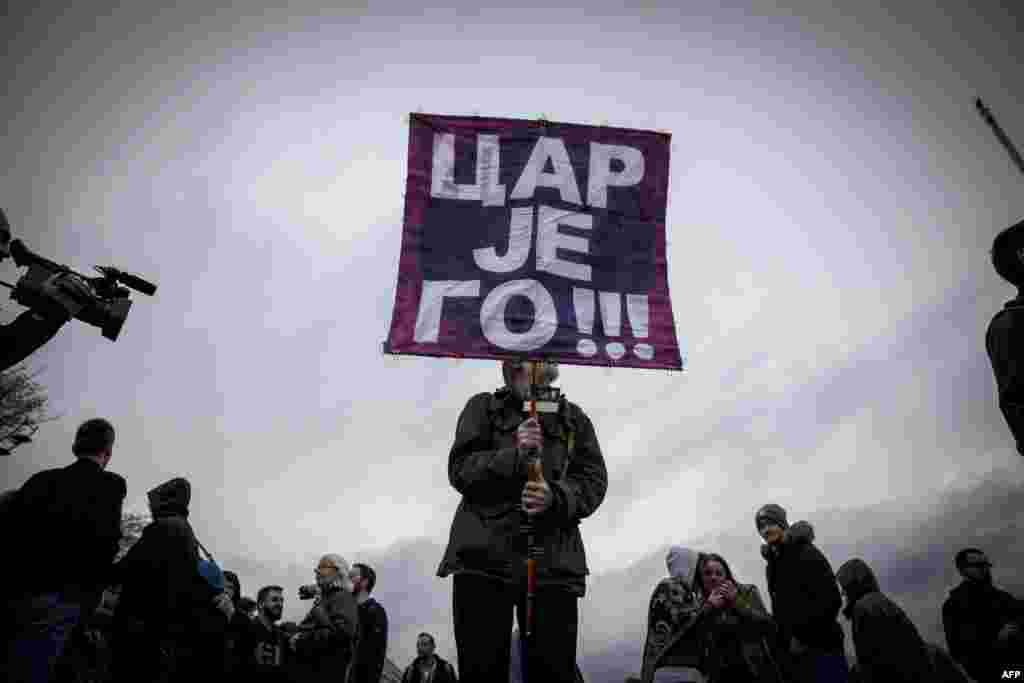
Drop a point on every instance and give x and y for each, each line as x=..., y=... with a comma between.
x=70, y=291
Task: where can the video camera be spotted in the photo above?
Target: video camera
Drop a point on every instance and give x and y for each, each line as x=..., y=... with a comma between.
x=309, y=591
x=108, y=303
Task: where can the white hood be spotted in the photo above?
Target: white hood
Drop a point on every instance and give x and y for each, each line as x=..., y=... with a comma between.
x=682, y=563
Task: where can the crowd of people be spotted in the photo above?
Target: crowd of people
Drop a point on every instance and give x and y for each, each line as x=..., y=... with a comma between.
x=702, y=619
x=165, y=611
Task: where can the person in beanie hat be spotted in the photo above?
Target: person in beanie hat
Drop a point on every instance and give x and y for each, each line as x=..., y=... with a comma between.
x=1005, y=334
x=68, y=512
x=805, y=599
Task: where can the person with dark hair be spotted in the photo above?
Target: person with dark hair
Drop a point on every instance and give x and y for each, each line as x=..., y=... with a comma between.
x=495, y=440
x=263, y=643
x=33, y=328
x=428, y=667
x=805, y=600
x=373, y=626
x=234, y=657
x=68, y=521
x=982, y=623
x=888, y=645
x=733, y=626
x=1004, y=339
x=163, y=622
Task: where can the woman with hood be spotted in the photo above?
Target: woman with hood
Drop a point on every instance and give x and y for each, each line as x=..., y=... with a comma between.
x=671, y=648
x=734, y=627
x=888, y=645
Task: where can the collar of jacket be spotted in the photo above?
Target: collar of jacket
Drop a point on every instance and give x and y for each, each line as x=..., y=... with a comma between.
x=504, y=397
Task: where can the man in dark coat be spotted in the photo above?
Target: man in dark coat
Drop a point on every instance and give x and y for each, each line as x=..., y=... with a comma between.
x=373, y=626
x=68, y=522
x=1004, y=339
x=888, y=645
x=164, y=619
x=487, y=548
x=982, y=623
x=805, y=599
x=428, y=667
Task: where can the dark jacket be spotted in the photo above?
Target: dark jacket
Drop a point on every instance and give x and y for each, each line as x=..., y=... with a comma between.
x=373, y=642
x=485, y=468
x=1004, y=342
x=803, y=590
x=161, y=583
x=264, y=651
x=20, y=338
x=889, y=646
x=444, y=672
x=329, y=638
x=972, y=617
x=68, y=521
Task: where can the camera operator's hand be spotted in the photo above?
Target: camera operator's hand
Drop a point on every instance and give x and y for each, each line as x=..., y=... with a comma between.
x=70, y=291
x=529, y=438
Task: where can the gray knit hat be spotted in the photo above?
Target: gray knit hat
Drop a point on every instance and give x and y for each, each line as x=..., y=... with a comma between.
x=771, y=513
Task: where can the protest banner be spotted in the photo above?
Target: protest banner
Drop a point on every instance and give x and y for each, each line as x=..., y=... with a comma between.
x=535, y=238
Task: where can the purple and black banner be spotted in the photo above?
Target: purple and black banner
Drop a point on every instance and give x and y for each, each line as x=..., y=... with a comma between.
x=535, y=239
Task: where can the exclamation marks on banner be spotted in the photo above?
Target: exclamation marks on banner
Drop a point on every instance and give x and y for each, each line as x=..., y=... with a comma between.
x=583, y=304
x=611, y=316
x=639, y=319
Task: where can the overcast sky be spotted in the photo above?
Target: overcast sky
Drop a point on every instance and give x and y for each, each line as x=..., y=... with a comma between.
x=833, y=196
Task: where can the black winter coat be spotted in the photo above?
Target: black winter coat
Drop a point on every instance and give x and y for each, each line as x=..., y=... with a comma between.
x=161, y=583
x=70, y=512
x=802, y=586
x=972, y=617
x=485, y=468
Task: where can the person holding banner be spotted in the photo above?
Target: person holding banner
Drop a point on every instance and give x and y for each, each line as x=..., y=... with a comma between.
x=487, y=551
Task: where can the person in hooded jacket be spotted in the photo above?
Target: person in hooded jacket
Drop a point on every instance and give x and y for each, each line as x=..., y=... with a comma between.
x=805, y=600
x=164, y=618
x=888, y=645
x=671, y=647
